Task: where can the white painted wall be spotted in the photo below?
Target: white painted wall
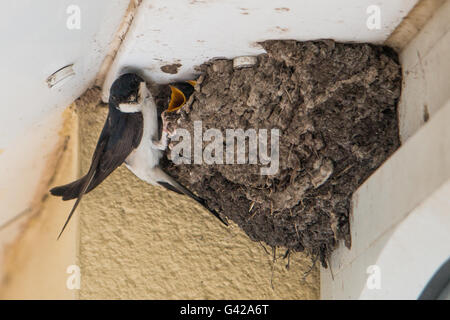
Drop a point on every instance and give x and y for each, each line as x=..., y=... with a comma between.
x=426, y=76
x=191, y=32
x=417, y=248
x=36, y=43
x=400, y=221
x=401, y=214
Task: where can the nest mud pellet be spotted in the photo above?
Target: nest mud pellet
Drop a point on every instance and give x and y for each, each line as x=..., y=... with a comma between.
x=335, y=107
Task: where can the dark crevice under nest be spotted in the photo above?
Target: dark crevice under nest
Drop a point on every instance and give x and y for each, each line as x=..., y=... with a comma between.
x=335, y=106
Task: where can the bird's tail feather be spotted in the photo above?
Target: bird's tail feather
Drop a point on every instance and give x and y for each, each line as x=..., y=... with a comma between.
x=71, y=190
x=166, y=181
x=87, y=181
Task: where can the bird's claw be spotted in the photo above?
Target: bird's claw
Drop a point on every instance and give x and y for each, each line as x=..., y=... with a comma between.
x=166, y=128
x=166, y=134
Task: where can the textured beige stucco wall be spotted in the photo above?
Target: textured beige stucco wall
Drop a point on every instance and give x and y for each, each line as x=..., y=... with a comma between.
x=140, y=241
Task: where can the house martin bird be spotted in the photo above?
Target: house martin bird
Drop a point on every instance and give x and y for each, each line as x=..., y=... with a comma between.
x=129, y=136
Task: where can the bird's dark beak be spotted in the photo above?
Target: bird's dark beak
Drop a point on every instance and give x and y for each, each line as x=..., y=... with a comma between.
x=178, y=98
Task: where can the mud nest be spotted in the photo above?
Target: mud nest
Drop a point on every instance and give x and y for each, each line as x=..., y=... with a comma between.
x=335, y=107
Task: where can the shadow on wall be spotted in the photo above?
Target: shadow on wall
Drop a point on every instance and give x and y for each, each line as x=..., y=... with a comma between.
x=33, y=264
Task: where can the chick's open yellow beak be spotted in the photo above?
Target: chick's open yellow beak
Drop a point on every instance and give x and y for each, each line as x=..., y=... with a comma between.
x=178, y=97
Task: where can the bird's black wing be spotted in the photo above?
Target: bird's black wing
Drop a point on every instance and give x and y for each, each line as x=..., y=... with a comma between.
x=125, y=135
x=121, y=134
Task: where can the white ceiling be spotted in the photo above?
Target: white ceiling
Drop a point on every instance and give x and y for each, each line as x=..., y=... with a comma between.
x=190, y=32
x=35, y=43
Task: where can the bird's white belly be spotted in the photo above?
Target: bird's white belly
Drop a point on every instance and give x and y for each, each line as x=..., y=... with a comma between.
x=142, y=161
x=146, y=157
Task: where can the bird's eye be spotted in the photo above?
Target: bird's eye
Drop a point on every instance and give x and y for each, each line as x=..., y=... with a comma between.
x=132, y=98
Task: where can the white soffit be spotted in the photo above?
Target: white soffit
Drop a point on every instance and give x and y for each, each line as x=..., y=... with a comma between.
x=190, y=32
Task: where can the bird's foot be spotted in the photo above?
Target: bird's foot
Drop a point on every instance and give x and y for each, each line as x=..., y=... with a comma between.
x=168, y=132
x=167, y=126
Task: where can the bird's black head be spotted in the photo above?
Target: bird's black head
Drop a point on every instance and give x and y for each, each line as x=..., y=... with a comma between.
x=125, y=89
